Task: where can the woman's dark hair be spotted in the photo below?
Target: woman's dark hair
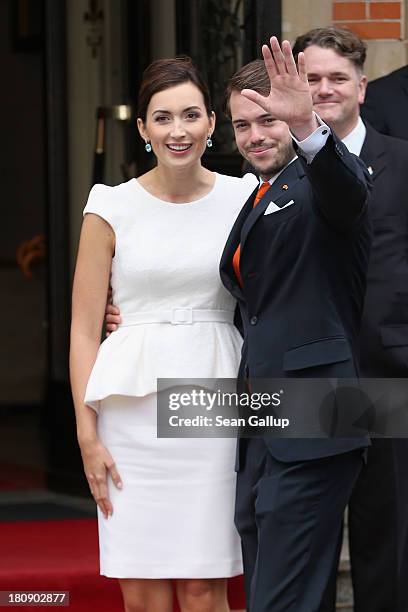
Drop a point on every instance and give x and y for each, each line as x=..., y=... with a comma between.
x=164, y=73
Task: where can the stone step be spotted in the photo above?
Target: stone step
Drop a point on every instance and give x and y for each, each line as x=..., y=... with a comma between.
x=344, y=587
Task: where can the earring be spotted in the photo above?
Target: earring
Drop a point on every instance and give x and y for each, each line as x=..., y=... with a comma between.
x=148, y=147
x=209, y=142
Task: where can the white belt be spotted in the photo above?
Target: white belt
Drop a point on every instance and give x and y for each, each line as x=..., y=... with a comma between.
x=178, y=316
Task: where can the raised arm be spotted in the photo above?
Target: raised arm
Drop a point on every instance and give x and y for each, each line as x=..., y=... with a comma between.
x=88, y=307
x=340, y=182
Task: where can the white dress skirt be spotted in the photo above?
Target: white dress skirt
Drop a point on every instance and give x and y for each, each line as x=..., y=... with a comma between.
x=174, y=516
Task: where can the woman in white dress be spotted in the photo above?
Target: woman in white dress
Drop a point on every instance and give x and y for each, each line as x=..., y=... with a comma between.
x=165, y=506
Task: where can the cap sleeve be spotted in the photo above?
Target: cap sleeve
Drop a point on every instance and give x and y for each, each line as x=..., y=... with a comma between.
x=250, y=180
x=101, y=202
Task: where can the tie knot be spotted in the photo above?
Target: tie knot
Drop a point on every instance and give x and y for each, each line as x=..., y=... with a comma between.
x=263, y=188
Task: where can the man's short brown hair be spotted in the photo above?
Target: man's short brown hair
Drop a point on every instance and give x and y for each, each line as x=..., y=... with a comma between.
x=251, y=76
x=344, y=42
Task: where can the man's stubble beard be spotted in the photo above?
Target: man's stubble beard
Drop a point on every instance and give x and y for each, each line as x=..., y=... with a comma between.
x=286, y=155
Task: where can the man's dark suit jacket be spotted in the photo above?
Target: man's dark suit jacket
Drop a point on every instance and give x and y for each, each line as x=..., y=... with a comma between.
x=304, y=278
x=386, y=104
x=384, y=332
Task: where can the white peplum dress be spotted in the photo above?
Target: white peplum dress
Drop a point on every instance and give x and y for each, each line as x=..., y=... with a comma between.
x=174, y=516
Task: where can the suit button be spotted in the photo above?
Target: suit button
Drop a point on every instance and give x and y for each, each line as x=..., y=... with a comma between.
x=254, y=320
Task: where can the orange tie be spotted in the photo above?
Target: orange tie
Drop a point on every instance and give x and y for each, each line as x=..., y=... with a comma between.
x=263, y=188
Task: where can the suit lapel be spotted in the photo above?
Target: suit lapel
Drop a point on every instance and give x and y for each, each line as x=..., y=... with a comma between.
x=373, y=152
x=226, y=268
x=247, y=219
x=281, y=185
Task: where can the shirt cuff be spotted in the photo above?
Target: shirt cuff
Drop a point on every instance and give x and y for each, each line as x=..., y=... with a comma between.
x=310, y=146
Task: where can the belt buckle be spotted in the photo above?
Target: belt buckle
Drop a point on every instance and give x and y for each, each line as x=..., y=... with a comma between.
x=181, y=316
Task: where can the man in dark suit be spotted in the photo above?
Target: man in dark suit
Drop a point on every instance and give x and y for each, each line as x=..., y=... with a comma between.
x=386, y=104
x=296, y=261
x=378, y=509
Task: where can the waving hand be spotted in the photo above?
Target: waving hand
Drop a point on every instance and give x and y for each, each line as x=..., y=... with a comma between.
x=289, y=99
